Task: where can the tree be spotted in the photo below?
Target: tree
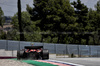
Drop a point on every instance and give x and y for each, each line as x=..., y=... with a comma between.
x=81, y=12
x=31, y=32
x=13, y=35
x=55, y=16
x=19, y=21
x=25, y=20
x=2, y=20
x=97, y=6
x=92, y=26
x=2, y=35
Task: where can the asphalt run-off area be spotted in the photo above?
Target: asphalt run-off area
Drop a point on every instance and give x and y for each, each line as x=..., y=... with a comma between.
x=80, y=61
x=64, y=61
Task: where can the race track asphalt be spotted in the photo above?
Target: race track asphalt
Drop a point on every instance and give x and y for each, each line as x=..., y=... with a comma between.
x=80, y=61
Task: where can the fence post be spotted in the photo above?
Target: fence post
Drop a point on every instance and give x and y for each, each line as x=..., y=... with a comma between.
x=12, y=52
x=64, y=53
x=6, y=45
x=43, y=45
x=78, y=50
x=19, y=46
x=89, y=51
x=98, y=53
x=67, y=49
x=55, y=48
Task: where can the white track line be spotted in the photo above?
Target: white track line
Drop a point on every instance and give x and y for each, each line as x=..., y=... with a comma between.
x=66, y=62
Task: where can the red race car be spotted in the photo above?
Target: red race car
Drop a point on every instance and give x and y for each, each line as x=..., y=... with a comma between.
x=33, y=52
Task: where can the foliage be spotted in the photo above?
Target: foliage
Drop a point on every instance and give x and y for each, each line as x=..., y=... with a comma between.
x=59, y=21
x=2, y=35
x=55, y=16
x=2, y=20
x=28, y=26
x=13, y=35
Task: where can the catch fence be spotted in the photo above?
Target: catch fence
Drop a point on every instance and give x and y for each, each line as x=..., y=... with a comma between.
x=65, y=49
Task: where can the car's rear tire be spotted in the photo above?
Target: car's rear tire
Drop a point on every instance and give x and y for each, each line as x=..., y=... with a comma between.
x=45, y=54
x=20, y=55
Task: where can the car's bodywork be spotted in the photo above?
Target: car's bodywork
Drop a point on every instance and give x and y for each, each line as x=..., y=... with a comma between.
x=33, y=52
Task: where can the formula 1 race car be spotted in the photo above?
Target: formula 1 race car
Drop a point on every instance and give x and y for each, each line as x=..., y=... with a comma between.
x=33, y=52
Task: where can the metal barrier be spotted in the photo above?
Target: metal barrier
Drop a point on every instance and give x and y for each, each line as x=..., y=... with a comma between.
x=65, y=49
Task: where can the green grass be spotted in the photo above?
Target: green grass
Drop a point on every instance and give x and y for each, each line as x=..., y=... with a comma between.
x=35, y=63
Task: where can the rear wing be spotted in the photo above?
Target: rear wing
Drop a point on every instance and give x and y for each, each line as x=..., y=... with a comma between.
x=33, y=47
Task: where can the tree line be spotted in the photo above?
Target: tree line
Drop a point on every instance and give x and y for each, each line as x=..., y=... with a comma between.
x=58, y=21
